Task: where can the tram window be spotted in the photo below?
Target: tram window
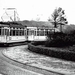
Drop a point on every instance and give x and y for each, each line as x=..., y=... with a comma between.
x=25, y=32
x=41, y=32
x=37, y=32
x=32, y=32
x=16, y=32
x=46, y=31
x=7, y=33
x=29, y=32
x=13, y=32
x=0, y=30
x=20, y=32
x=5, y=30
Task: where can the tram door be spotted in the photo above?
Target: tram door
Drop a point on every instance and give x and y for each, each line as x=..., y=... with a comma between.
x=31, y=34
x=6, y=34
x=3, y=34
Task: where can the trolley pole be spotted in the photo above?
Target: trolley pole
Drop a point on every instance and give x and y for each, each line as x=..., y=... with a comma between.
x=11, y=14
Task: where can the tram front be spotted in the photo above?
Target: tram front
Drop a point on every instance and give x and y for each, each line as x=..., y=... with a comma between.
x=4, y=32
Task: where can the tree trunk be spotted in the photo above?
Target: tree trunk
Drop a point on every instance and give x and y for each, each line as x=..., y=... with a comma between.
x=55, y=25
x=60, y=28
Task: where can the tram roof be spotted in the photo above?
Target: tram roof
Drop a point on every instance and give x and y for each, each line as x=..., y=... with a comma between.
x=36, y=23
x=11, y=24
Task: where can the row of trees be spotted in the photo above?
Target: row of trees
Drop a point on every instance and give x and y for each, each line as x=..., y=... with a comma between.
x=58, y=18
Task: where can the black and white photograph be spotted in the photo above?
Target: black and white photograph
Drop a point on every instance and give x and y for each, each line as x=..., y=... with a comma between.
x=37, y=37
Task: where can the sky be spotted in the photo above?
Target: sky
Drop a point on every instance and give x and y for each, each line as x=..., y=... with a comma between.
x=35, y=9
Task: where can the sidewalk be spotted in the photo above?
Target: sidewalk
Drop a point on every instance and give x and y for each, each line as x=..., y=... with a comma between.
x=23, y=55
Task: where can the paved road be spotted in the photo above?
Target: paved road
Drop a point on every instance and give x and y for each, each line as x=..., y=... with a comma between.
x=9, y=67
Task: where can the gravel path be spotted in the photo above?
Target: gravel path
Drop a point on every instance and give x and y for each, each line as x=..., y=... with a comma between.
x=23, y=55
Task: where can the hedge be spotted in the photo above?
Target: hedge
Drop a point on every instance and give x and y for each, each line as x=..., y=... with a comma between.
x=53, y=52
x=60, y=40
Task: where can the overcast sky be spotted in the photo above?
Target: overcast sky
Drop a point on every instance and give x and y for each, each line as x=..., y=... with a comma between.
x=31, y=9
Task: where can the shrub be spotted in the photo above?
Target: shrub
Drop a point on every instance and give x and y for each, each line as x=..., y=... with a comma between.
x=56, y=34
x=54, y=52
x=60, y=40
x=38, y=43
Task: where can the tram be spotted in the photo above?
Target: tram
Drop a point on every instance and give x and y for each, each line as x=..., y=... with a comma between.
x=14, y=33
x=38, y=33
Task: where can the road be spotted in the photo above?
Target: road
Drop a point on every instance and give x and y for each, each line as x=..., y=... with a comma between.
x=10, y=67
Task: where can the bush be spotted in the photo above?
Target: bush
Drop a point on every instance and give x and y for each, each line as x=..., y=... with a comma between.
x=60, y=40
x=56, y=34
x=38, y=43
x=54, y=52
